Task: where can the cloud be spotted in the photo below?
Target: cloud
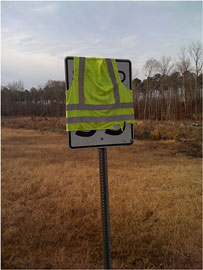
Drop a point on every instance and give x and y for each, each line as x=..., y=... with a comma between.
x=46, y=9
x=129, y=42
x=4, y=30
x=97, y=41
x=33, y=69
x=16, y=39
x=26, y=43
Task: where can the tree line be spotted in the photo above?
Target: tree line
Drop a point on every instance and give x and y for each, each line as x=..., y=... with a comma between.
x=44, y=101
x=170, y=91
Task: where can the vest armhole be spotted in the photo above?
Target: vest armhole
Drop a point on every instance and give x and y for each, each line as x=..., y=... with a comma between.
x=118, y=79
x=75, y=73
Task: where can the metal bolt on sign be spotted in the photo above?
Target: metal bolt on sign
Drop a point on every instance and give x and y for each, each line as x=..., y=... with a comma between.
x=104, y=194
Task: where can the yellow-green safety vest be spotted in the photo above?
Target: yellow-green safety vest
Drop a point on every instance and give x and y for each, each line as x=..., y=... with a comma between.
x=97, y=99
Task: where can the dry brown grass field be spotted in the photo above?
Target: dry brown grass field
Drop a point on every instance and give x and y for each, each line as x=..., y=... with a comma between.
x=51, y=204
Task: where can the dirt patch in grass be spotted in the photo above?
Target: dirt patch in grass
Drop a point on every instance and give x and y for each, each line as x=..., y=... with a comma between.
x=51, y=204
x=191, y=148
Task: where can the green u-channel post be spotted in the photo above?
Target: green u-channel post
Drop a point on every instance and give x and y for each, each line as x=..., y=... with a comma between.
x=104, y=196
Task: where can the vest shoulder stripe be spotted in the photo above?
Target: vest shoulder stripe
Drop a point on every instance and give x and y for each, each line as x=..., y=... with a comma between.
x=113, y=79
x=95, y=119
x=81, y=80
x=72, y=107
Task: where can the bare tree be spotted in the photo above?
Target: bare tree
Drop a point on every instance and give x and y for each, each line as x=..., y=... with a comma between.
x=195, y=51
x=165, y=67
x=150, y=68
x=16, y=86
x=183, y=65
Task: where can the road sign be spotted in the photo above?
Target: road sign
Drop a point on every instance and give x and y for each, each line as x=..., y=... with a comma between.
x=101, y=138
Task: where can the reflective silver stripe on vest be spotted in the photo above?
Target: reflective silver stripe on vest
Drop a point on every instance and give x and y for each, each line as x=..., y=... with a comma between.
x=72, y=107
x=113, y=79
x=81, y=80
x=95, y=119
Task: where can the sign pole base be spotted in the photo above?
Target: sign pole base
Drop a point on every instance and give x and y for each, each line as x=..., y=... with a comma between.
x=105, y=207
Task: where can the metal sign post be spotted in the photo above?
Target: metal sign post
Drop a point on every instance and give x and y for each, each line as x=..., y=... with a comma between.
x=104, y=196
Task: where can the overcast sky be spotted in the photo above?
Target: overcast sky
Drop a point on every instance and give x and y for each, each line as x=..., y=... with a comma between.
x=37, y=36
